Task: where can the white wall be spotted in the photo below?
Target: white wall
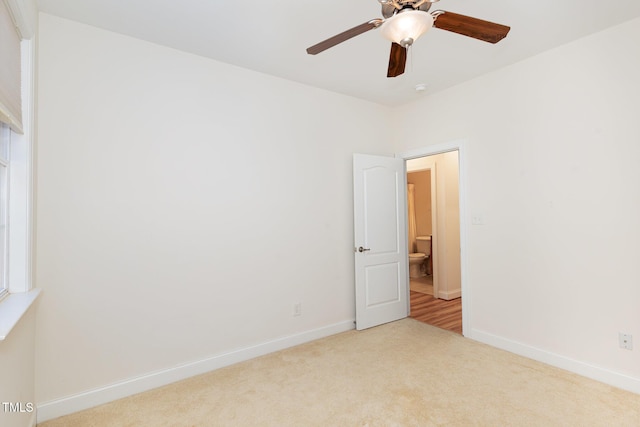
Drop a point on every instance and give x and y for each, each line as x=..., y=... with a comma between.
x=552, y=149
x=184, y=206
x=447, y=194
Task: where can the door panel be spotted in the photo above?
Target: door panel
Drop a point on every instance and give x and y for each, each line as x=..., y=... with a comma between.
x=380, y=211
x=377, y=281
x=380, y=230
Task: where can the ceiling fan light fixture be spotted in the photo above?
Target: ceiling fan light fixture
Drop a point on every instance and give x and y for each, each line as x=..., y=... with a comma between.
x=406, y=26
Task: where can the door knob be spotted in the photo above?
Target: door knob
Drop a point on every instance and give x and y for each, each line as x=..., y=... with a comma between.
x=361, y=249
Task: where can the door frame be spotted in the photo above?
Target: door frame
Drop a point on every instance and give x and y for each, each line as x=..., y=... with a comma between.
x=460, y=146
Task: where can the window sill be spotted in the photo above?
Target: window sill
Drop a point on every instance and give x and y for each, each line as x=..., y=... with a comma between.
x=12, y=308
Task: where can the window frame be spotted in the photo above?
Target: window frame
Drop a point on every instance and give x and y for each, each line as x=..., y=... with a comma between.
x=21, y=293
x=5, y=162
x=20, y=212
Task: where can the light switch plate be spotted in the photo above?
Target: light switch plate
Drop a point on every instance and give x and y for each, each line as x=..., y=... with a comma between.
x=477, y=219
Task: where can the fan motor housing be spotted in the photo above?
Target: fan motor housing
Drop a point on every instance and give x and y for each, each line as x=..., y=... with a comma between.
x=391, y=7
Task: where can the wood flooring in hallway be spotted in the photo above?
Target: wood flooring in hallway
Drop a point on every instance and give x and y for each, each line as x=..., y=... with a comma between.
x=437, y=312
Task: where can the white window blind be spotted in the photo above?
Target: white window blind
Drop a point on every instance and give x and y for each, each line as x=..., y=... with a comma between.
x=10, y=89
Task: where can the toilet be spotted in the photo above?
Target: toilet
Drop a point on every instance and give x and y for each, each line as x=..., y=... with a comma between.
x=416, y=259
x=415, y=264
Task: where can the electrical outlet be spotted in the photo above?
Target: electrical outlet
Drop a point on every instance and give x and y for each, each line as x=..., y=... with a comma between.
x=297, y=309
x=625, y=340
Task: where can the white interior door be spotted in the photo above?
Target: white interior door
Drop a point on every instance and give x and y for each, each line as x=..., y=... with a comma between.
x=381, y=258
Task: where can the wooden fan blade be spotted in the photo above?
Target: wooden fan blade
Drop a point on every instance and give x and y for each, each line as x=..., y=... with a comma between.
x=397, y=60
x=471, y=27
x=344, y=36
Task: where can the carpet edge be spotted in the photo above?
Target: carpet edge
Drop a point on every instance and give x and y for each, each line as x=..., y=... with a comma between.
x=98, y=396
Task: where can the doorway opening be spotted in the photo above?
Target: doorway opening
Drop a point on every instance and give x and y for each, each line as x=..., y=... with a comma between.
x=433, y=238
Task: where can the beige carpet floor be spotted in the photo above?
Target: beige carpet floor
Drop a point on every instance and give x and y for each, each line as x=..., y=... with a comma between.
x=404, y=373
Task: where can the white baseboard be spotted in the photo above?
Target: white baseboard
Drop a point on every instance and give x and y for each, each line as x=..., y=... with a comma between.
x=606, y=376
x=449, y=295
x=68, y=405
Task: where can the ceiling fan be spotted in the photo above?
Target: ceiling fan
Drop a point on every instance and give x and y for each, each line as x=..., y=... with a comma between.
x=406, y=20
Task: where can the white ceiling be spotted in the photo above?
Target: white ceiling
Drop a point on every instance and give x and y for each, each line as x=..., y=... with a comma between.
x=271, y=37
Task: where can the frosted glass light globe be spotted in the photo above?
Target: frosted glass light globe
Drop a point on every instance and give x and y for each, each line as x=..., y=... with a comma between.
x=406, y=26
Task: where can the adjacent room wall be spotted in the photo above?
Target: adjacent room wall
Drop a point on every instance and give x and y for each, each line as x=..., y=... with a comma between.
x=184, y=207
x=422, y=182
x=553, y=272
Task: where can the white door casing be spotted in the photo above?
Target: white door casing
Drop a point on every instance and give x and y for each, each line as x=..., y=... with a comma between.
x=381, y=254
x=460, y=146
